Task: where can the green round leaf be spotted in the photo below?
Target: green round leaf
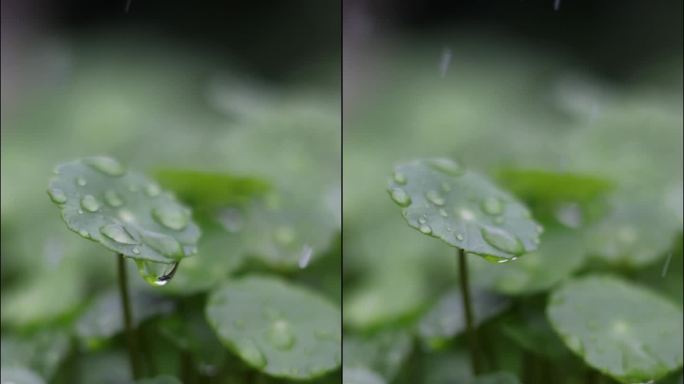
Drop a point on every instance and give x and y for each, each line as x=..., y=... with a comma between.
x=622, y=330
x=19, y=375
x=445, y=319
x=276, y=327
x=560, y=254
x=442, y=199
x=123, y=210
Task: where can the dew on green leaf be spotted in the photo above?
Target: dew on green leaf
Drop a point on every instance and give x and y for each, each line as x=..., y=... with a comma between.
x=434, y=197
x=106, y=165
x=280, y=335
x=90, y=203
x=57, y=195
x=502, y=240
x=152, y=190
x=113, y=199
x=251, y=354
x=492, y=206
x=118, y=233
x=81, y=181
x=426, y=229
x=399, y=178
x=447, y=166
x=400, y=197
x=171, y=216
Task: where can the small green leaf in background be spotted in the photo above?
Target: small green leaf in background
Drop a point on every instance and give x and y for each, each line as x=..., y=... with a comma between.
x=103, y=318
x=560, y=254
x=42, y=352
x=211, y=190
x=440, y=198
x=445, y=320
x=622, y=330
x=276, y=327
x=18, y=375
x=360, y=375
x=383, y=353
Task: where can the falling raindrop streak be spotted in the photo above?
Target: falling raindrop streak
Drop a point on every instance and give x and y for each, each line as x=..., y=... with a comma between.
x=305, y=257
x=667, y=265
x=556, y=5
x=445, y=61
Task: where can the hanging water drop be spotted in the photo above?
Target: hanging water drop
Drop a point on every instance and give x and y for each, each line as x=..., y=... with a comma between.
x=106, y=165
x=156, y=274
x=118, y=233
x=171, y=216
x=90, y=203
x=305, y=256
x=400, y=197
x=502, y=240
x=57, y=195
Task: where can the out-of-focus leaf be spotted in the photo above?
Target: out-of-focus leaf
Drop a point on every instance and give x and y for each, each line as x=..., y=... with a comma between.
x=622, y=330
x=560, y=254
x=276, y=327
x=383, y=353
x=19, y=375
x=542, y=185
x=103, y=319
x=42, y=352
x=530, y=330
x=210, y=190
x=360, y=375
x=637, y=231
x=496, y=378
x=445, y=320
x=124, y=211
x=440, y=198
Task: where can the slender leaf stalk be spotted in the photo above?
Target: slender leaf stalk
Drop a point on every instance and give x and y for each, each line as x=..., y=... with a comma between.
x=133, y=354
x=468, y=312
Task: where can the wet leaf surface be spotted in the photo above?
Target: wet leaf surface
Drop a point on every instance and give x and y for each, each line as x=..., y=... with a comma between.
x=442, y=199
x=623, y=330
x=276, y=327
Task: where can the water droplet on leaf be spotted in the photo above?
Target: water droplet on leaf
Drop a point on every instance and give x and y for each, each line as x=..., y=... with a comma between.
x=251, y=354
x=118, y=233
x=492, y=206
x=113, y=199
x=435, y=198
x=57, y=195
x=171, y=216
x=447, y=166
x=400, y=197
x=502, y=240
x=399, y=178
x=106, y=165
x=426, y=229
x=90, y=203
x=152, y=190
x=280, y=335
x=164, y=244
x=81, y=181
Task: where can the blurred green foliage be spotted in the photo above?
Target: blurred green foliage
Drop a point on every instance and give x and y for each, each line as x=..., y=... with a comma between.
x=598, y=163
x=236, y=151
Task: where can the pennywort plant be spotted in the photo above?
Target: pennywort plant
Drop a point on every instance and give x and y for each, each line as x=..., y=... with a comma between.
x=442, y=199
x=131, y=216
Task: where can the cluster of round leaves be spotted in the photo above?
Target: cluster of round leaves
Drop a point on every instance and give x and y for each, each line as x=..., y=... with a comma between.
x=123, y=210
x=440, y=198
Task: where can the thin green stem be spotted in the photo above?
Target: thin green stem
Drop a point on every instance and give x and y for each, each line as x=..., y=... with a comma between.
x=468, y=312
x=133, y=354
